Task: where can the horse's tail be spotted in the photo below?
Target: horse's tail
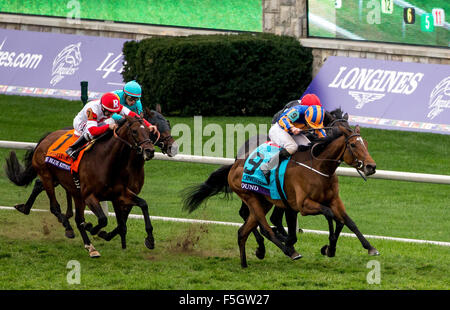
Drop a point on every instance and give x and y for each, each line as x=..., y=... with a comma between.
x=16, y=173
x=217, y=182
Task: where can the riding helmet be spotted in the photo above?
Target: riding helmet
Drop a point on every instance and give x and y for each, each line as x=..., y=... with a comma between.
x=111, y=102
x=133, y=89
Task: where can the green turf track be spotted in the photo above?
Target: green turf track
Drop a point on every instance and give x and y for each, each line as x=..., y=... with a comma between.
x=193, y=256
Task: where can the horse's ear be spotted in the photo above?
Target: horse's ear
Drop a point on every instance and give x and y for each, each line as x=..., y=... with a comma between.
x=158, y=108
x=357, y=129
x=346, y=116
x=328, y=118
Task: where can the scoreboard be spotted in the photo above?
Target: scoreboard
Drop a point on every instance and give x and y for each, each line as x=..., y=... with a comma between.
x=417, y=22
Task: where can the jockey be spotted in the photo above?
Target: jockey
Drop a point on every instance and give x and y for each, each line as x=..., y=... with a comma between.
x=95, y=119
x=130, y=97
x=288, y=132
x=308, y=99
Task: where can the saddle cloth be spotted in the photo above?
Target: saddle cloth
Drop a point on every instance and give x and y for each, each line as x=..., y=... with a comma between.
x=253, y=178
x=56, y=153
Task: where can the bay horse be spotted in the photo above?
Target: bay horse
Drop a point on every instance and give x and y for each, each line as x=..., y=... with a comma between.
x=166, y=143
x=330, y=119
x=310, y=189
x=135, y=172
x=101, y=176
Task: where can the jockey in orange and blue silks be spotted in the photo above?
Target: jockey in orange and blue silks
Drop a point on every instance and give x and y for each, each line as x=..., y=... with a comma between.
x=288, y=131
x=303, y=117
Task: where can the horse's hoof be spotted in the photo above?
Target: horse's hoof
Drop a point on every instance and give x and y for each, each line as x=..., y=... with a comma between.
x=150, y=244
x=324, y=250
x=296, y=256
x=94, y=254
x=70, y=234
x=22, y=209
x=373, y=252
x=260, y=253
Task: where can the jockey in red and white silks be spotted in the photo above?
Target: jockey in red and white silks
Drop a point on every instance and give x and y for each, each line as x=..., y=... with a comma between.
x=95, y=119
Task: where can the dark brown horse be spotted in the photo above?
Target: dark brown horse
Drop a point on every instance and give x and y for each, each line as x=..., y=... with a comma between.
x=310, y=189
x=101, y=176
x=166, y=143
x=135, y=172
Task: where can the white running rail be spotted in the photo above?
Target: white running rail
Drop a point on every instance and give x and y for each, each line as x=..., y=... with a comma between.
x=380, y=174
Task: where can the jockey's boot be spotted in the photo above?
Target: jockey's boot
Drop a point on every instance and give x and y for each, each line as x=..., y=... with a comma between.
x=276, y=159
x=74, y=149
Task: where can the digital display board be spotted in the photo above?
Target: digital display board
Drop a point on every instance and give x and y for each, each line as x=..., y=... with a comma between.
x=417, y=22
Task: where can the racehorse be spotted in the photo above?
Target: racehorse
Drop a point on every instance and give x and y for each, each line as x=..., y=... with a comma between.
x=310, y=190
x=165, y=142
x=135, y=172
x=331, y=119
x=101, y=176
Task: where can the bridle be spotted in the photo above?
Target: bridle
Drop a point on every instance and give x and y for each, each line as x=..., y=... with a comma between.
x=137, y=144
x=162, y=142
x=358, y=163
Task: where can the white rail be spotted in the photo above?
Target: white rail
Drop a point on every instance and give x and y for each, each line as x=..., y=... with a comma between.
x=380, y=174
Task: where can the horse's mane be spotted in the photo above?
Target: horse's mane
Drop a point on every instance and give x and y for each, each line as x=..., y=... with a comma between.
x=320, y=144
x=109, y=133
x=332, y=133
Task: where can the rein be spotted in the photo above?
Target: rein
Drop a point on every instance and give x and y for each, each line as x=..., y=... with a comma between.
x=359, y=163
x=137, y=145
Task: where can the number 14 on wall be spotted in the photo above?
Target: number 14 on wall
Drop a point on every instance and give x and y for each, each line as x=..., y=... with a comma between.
x=110, y=66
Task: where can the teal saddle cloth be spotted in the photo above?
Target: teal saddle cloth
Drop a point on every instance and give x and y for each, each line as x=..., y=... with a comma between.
x=253, y=178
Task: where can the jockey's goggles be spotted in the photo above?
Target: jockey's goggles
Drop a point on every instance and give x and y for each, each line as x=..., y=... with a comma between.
x=133, y=98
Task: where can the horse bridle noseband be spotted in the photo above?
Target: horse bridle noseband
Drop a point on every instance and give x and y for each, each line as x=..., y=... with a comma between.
x=137, y=144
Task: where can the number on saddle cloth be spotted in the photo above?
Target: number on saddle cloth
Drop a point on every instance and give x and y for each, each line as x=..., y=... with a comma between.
x=253, y=178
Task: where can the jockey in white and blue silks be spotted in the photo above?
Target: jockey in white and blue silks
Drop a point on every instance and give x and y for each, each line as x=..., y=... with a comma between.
x=130, y=97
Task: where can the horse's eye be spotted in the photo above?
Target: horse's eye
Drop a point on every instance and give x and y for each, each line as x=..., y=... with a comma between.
x=134, y=131
x=352, y=144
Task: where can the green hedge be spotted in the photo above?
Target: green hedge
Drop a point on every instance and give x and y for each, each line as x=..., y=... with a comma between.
x=245, y=74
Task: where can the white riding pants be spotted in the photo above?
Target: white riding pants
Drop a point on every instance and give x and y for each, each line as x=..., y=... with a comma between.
x=285, y=140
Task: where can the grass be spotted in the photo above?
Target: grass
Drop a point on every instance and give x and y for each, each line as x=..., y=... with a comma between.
x=193, y=257
x=189, y=256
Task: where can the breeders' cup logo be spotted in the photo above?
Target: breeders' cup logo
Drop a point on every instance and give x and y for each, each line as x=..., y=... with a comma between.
x=439, y=98
x=66, y=63
x=367, y=85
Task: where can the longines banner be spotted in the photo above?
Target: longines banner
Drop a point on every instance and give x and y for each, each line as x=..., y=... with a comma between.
x=386, y=94
x=49, y=64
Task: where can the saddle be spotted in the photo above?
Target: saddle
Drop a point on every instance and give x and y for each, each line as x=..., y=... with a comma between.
x=56, y=154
